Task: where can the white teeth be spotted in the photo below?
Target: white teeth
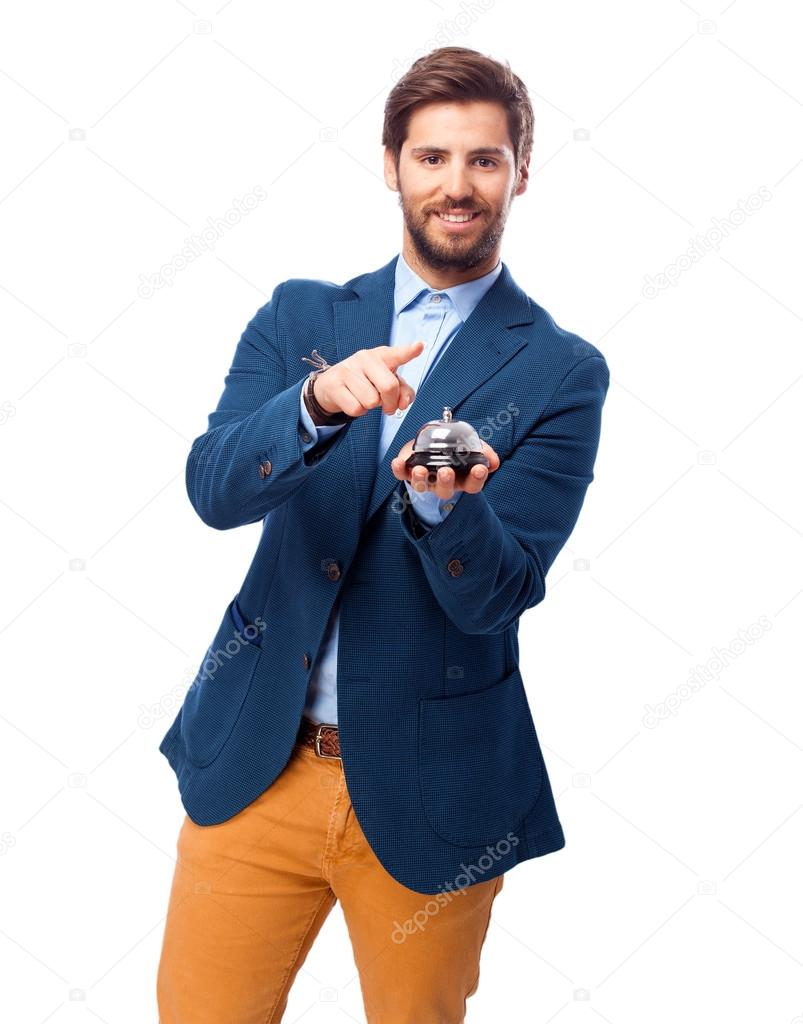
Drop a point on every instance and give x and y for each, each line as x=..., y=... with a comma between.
x=455, y=218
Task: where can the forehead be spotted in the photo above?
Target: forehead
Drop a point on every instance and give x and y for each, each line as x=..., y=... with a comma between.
x=466, y=124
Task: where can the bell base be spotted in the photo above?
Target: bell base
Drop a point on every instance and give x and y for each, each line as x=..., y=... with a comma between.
x=461, y=465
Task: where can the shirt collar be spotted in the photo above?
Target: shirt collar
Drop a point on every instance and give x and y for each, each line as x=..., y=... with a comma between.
x=464, y=297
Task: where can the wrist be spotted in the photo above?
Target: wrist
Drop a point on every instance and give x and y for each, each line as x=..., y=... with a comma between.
x=315, y=416
x=321, y=417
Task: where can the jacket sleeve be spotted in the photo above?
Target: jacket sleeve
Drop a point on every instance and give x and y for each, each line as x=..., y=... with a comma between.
x=487, y=561
x=252, y=456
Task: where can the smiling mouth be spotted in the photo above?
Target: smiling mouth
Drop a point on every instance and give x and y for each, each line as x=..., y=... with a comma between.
x=461, y=218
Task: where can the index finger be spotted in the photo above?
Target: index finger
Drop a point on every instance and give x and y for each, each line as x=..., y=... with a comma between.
x=400, y=354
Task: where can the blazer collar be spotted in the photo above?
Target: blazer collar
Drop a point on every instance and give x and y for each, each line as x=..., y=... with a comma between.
x=408, y=285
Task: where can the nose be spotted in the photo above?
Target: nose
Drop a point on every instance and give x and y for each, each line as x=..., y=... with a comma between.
x=456, y=187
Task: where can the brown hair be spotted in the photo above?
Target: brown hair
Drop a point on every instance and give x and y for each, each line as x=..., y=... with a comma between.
x=454, y=74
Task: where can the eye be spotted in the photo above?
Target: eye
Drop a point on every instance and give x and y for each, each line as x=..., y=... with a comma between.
x=433, y=156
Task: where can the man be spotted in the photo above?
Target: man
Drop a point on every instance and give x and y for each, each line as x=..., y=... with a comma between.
x=359, y=729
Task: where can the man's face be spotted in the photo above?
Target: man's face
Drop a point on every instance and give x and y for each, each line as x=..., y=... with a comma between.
x=457, y=157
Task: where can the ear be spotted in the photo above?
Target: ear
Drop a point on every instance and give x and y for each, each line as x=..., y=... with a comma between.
x=524, y=178
x=391, y=178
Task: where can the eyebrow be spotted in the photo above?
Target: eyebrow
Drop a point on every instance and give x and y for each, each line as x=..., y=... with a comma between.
x=492, y=150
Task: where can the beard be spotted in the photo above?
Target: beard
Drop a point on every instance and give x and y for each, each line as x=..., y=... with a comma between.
x=452, y=252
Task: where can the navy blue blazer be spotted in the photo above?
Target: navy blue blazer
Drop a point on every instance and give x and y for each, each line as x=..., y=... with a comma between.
x=440, y=752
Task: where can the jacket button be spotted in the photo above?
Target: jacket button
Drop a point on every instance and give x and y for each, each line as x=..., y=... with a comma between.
x=264, y=469
x=306, y=661
x=455, y=567
x=333, y=571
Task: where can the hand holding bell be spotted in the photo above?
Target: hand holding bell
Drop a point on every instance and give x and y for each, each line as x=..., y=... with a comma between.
x=446, y=455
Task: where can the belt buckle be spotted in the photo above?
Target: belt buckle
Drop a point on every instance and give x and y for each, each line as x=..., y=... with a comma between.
x=318, y=751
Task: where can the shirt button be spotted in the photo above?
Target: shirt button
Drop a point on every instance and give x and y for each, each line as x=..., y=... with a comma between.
x=448, y=506
x=455, y=567
x=436, y=298
x=306, y=437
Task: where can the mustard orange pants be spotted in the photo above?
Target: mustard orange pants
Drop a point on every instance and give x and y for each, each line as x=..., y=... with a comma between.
x=250, y=895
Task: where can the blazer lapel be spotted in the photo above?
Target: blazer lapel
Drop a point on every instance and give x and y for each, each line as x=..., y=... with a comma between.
x=479, y=349
x=365, y=322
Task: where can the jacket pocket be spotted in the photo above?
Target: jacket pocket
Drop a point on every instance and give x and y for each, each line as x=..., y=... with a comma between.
x=215, y=698
x=250, y=631
x=479, y=762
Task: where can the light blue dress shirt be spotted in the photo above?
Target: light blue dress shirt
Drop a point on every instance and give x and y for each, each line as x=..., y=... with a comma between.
x=433, y=316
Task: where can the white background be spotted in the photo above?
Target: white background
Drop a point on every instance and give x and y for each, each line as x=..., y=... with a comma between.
x=125, y=128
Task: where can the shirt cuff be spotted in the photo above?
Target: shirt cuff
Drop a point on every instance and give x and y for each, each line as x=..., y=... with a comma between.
x=428, y=507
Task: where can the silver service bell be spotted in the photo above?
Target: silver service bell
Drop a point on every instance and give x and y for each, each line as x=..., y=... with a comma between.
x=447, y=442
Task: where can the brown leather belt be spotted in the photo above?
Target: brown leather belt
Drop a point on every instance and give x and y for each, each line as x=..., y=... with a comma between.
x=323, y=738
